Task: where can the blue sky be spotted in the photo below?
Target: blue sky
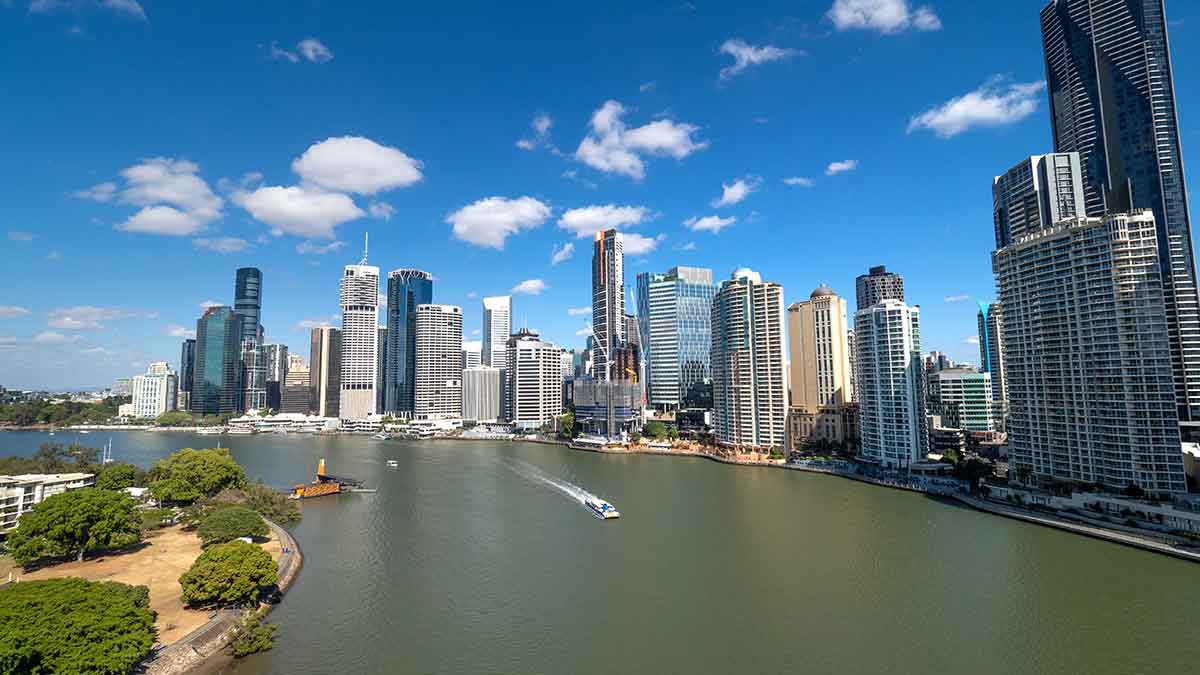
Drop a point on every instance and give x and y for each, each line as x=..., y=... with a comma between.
x=150, y=148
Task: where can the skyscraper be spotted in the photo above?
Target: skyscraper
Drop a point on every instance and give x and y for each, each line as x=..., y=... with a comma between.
x=247, y=303
x=534, y=372
x=472, y=354
x=437, y=377
x=675, y=323
x=407, y=288
x=1112, y=100
x=891, y=384
x=1035, y=194
x=991, y=353
x=276, y=363
x=481, y=393
x=878, y=285
x=216, y=380
x=749, y=380
x=381, y=367
x=497, y=327
x=297, y=394
x=818, y=368
x=1087, y=357
x=325, y=371
x=360, y=340
x=608, y=300
x=187, y=369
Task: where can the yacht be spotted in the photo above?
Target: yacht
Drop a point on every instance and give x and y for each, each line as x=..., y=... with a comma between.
x=392, y=463
x=241, y=431
x=601, y=508
x=211, y=431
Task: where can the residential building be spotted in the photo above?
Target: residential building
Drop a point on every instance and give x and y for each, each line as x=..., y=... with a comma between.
x=406, y=289
x=968, y=394
x=19, y=494
x=155, y=392
x=853, y=356
x=276, y=360
x=360, y=340
x=991, y=354
x=1088, y=356
x=247, y=304
x=297, y=395
x=497, y=327
x=325, y=372
x=216, y=383
x=749, y=379
x=1035, y=194
x=878, y=285
x=819, y=373
x=1112, y=100
x=534, y=373
x=608, y=300
x=675, y=326
x=121, y=386
x=891, y=392
x=438, y=374
x=481, y=393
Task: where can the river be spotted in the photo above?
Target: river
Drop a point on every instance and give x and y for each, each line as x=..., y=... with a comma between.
x=465, y=562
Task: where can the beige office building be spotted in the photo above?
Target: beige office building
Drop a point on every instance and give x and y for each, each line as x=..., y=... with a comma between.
x=819, y=373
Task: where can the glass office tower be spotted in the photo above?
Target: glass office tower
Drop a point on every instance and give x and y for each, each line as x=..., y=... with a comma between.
x=407, y=288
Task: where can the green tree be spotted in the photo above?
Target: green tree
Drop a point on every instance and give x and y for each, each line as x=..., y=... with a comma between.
x=251, y=635
x=74, y=522
x=74, y=626
x=190, y=474
x=173, y=418
x=655, y=429
x=154, y=519
x=227, y=523
x=568, y=425
x=270, y=503
x=229, y=573
x=119, y=477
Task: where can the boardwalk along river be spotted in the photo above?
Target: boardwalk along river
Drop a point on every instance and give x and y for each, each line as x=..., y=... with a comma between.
x=460, y=564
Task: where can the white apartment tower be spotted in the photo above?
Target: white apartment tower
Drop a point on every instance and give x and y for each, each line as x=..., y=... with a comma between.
x=497, y=326
x=534, y=373
x=891, y=384
x=155, y=392
x=360, y=340
x=438, y=390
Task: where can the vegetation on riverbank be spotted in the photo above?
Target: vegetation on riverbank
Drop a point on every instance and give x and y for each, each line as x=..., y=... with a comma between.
x=66, y=413
x=228, y=574
x=72, y=523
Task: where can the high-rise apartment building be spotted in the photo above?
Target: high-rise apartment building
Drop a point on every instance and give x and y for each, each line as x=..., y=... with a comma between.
x=472, y=354
x=216, y=382
x=497, y=327
x=1035, y=194
x=991, y=352
x=608, y=301
x=533, y=369
x=247, y=304
x=155, y=392
x=438, y=390
x=965, y=395
x=748, y=375
x=1112, y=100
x=891, y=391
x=674, y=322
x=187, y=373
x=852, y=354
x=878, y=285
x=325, y=371
x=276, y=361
x=1087, y=356
x=818, y=369
x=360, y=340
x=407, y=288
x=481, y=393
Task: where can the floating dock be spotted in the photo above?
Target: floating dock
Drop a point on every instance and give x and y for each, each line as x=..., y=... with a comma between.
x=326, y=484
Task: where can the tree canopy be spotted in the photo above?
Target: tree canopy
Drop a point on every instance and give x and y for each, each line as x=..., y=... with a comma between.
x=54, y=458
x=227, y=523
x=173, y=418
x=26, y=413
x=270, y=503
x=228, y=573
x=71, y=523
x=190, y=474
x=119, y=476
x=655, y=429
x=71, y=625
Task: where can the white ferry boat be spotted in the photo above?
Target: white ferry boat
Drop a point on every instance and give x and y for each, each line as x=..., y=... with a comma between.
x=211, y=431
x=392, y=464
x=601, y=508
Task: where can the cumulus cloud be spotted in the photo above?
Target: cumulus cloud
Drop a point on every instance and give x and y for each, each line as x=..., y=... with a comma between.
x=88, y=317
x=100, y=192
x=490, y=221
x=127, y=7
x=299, y=210
x=381, y=210
x=588, y=220
x=799, y=181
x=277, y=53
x=610, y=146
x=843, y=166
x=885, y=16
x=712, y=224
x=174, y=199
x=308, y=324
x=562, y=253
x=957, y=298
x=130, y=8
x=746, y=55
x=540, y=136
x=636, y=244
x=16, y=235
x=210, y=303
x=313, y=248
x=996, y=103
x=175, y=330
x=50, y=337
x=529, y=287
x=585, y=331
x=221, y=244
x=314, y=51
x=357, y=165
x=647, y=87
x=689, y=246
x=737, y=191
x=10, y=311
x=579, y=311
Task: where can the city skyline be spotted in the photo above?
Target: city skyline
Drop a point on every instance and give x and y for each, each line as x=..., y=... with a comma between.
x=749, y=138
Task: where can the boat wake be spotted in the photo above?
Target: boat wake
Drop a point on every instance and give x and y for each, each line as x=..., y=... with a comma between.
x=536, y=475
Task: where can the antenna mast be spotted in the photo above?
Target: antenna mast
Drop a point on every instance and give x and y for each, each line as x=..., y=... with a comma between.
x=366, y=241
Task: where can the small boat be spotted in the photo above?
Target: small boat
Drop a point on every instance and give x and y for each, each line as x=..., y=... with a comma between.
x=601, y=508
x=392, y=463
x=381, y=437
x=84, y=431
x=241, y=431
x=211, y=431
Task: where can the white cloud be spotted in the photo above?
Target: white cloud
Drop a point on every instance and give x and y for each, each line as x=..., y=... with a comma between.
x=314, y=51
x=971, y=339
x=472, y=295
x=51, y=338
x=541, y=134
x=737, y=191
x=381, y=210
x=995, y=103
x=53, y=256
x=10, y=311
x=298, y=210
x=174, y=200
x=489, y=222
x=886, y=16
x=746, y=55
x=88, y=317
x=562, y=253
x=957, y=298
x=127, y=7
x=307, y=324
x=16, y=235
x=100, y=192
x=843, y=166
x=611, y=147
x=588, y=220
x=313, y=248
x=799, y=180
x=529, y=287
x=279, y=54
x=221, y=244
x=475, y=331
x=579, y=311
x=166, y=220
x=210, y=303
x=712, y=224
x=635, y=244
x=585, y=331
x=356, y=164
x=647, y=87
x=175, y=330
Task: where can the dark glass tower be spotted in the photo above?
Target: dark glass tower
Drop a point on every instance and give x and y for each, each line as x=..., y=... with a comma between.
x=187, y=364
x=215, y=389
x=1112, y=99
x=247, y=303
x=878, y=285
x=407, y=288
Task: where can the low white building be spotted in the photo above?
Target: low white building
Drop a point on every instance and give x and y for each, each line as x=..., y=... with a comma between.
x=18, y=494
